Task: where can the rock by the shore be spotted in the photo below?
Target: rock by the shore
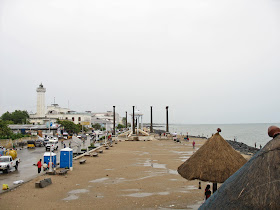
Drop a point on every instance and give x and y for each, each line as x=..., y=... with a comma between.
x=243, y=148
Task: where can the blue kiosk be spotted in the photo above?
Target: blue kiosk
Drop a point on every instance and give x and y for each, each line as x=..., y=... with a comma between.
x=47, y=157
x=66, y=158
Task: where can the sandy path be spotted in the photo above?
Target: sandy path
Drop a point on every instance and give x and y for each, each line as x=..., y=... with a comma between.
x=130, y=175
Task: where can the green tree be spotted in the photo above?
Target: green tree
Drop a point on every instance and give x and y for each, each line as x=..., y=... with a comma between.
x=96, y=126
x=5, y=131
x=17, y=117
x=69, y=126
x=120, y=126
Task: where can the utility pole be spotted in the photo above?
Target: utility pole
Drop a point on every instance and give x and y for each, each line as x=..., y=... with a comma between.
x=133, y=125
x=167, y=127
x=151, y=127
x=126, y=120
x=114, y=125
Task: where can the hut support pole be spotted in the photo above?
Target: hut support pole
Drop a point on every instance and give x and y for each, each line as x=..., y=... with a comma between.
x=214, y=187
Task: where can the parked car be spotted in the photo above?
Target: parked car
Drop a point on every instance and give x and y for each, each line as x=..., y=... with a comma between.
x=46, y=141
x=52, y=144
x=39, y=143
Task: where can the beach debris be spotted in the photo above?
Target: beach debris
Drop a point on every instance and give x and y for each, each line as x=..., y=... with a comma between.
x=94, y=154
x=5, y=187
x=43, y=183
x=254, y=186
x=18, y=182
x=83, y=161
x=215, y=161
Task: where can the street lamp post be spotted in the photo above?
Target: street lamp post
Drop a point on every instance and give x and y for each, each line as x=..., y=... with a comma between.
x=167, y=127
x=114, y=125
x=133, y=125
x=151, y=128
x=126, y=120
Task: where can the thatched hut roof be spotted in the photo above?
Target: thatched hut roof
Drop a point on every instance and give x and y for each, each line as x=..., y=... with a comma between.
x=215, y=161
x=254, y=186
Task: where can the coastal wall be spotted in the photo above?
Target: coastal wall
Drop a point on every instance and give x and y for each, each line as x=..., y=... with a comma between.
x=8, y=143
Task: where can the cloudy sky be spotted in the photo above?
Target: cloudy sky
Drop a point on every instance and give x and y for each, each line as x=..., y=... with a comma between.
x=209, y=61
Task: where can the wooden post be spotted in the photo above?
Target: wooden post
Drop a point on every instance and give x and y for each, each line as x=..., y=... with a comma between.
x=215, y=187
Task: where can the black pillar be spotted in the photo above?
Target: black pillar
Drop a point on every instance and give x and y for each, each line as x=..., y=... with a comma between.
x=125, y=119
x=151, y=128
x=114, y=116
x=215, y=187
x=133, y=125
x=167, y=128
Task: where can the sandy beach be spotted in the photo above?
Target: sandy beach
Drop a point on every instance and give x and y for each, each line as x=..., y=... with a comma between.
x=130, y=175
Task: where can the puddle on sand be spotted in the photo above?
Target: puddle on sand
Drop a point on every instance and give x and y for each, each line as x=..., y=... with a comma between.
x=131, y=190
x=78, y=191
x=109, y=169
x=99, y=196
x=173, y=179
x=71, y=197
x=139, y=195
x=99, y=180
x=192, y=187
x=158, y=165
x=142, y=195
x=163, y=193
x=170, y=171
x=195, y=206
x=119, y=180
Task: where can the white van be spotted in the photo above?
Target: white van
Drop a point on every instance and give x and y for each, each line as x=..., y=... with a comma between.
x=52, y=143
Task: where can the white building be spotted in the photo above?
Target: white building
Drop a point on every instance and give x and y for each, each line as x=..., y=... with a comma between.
x=41, y=101
x=104, y=118
x=55, y=112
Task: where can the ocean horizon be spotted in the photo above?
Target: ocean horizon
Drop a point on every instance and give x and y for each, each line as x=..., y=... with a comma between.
x=248, y=133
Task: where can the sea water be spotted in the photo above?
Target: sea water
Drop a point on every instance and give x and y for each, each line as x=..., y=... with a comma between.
x=246, y=133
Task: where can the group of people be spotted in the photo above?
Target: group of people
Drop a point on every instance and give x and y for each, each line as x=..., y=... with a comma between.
x=45, y=166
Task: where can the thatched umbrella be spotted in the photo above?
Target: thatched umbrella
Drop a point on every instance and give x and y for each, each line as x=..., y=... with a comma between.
x=215, y=161
x=254, y=186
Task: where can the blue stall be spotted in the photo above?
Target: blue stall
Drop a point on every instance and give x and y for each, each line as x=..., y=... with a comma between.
x=66, y=158
x=47, y=157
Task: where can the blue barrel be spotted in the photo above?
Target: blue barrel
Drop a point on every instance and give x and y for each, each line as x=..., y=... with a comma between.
x=66, y=158
x=47, y=157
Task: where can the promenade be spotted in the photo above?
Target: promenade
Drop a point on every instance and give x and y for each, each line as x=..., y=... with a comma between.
x=134, y=174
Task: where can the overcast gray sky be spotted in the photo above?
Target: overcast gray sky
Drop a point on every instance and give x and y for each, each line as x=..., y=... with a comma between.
x=210, y=61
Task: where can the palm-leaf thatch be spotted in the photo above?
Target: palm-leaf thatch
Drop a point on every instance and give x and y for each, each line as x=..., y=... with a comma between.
x=254, y=186
x=215, y=161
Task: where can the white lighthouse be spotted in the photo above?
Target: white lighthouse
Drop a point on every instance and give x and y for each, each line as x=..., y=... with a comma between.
x=41, y=101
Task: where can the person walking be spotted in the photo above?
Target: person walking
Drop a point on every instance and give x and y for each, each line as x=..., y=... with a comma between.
x=193, y=144
x=39, y=165
x=207, y=192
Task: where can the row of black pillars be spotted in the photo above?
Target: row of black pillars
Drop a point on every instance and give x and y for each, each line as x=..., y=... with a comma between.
x=133, y=124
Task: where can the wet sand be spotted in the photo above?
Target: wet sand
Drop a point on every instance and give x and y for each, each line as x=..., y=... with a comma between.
x=130, y=175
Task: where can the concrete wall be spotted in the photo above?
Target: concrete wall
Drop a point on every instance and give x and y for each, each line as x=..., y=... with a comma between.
x=8, y=143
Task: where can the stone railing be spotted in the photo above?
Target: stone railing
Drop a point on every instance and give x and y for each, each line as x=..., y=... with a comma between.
x=8, y=143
